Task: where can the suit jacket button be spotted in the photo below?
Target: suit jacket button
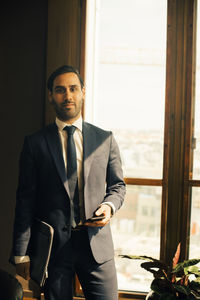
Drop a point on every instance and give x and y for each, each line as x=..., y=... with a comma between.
x=66, y=228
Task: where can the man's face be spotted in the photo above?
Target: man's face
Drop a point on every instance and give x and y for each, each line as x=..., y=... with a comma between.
x=67, y=97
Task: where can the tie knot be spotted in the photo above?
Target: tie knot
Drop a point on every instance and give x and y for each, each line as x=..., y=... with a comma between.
x=70, y=129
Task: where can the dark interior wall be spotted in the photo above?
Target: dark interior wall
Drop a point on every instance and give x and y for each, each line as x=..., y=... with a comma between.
x=65, y=39
x=23, y=32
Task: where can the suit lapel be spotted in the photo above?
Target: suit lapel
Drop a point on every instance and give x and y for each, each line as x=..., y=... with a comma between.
x=53, y=141
x=89, y=146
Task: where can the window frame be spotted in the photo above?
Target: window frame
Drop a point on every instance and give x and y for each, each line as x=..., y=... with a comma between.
x=178, y=131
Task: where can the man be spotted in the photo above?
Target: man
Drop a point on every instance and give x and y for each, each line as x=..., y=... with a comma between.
x=65, y=189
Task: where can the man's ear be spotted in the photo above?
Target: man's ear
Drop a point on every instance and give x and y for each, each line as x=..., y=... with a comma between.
x=83, y=91
x=50, y=96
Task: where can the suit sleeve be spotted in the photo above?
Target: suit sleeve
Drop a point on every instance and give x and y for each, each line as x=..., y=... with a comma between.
x=25, y=201
x=115, y=189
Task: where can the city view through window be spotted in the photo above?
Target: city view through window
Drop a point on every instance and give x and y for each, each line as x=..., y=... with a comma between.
x=125, y=93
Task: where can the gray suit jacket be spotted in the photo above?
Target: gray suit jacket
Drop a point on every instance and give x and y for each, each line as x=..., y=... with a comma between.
x=43, y=190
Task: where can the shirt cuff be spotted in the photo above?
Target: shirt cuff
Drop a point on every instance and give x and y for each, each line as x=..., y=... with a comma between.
x=111, y=205
x=21, y=259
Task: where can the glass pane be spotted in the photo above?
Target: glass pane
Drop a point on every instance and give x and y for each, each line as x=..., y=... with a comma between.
x=196, y=162
x=125, y=79
x=194, y=248
x=136, y=230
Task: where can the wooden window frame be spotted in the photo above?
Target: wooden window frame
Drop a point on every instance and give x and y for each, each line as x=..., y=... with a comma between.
x=179, y=120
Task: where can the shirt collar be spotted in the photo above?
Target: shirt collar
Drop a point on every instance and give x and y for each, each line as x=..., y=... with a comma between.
x=61, y=124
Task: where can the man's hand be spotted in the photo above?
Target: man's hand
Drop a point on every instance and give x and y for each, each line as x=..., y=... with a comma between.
x=105, y=210
x=23, y=270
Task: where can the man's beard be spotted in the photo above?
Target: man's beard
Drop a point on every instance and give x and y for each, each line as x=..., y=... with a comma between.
x=65, y=114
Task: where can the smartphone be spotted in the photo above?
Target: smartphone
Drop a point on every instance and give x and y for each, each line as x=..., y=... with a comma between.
x=96, y=218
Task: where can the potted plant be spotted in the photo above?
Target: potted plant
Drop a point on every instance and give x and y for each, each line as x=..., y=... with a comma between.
x=181, y=280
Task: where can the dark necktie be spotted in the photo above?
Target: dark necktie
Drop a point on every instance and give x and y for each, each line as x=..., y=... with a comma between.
x=72, y=176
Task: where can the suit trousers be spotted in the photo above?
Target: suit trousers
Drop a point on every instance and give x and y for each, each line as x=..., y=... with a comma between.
x=98, y=281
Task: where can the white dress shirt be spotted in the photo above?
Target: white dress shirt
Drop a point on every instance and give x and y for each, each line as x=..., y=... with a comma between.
x=78, y=140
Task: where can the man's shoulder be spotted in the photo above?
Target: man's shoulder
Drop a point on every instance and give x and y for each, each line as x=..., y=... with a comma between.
x=96, y=128
x=43, y=130
x=41, y=133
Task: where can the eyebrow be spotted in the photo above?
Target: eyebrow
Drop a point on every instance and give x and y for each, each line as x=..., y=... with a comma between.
x=58, y=86
x=62, y=86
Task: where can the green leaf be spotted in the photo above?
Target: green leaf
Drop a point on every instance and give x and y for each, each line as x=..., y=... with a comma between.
x=195, y=294
x=157, y=268
x=191, y=269
x=167, y=296
x=179, y=267
x=195, y=284
x=160, y=286
x=141, y=257
x=155, y=288
x=182, y=289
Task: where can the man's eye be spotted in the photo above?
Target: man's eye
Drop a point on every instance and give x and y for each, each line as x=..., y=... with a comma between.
x=60, y=90
x=72, y=89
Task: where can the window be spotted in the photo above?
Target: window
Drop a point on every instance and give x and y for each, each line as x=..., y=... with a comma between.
x=195, y=183
x=125, y=93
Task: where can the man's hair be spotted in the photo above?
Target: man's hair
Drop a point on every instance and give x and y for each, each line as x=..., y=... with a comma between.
x=62, y=70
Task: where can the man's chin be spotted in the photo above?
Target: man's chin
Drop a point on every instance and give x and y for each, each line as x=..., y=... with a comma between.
x=67, y=117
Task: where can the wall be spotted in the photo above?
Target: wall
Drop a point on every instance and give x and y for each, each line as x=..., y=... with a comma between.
x=23, y=27
x=65, y=39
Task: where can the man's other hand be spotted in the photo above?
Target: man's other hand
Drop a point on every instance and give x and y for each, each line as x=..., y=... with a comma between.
x=104, y=210
x=23, y=270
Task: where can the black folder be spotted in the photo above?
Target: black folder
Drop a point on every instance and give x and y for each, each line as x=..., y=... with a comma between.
x=40, y=250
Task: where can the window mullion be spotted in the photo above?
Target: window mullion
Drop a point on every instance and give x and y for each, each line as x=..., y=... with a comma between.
x=179, y=92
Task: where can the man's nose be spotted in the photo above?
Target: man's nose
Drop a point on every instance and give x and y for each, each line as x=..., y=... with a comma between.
x=68, y=95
